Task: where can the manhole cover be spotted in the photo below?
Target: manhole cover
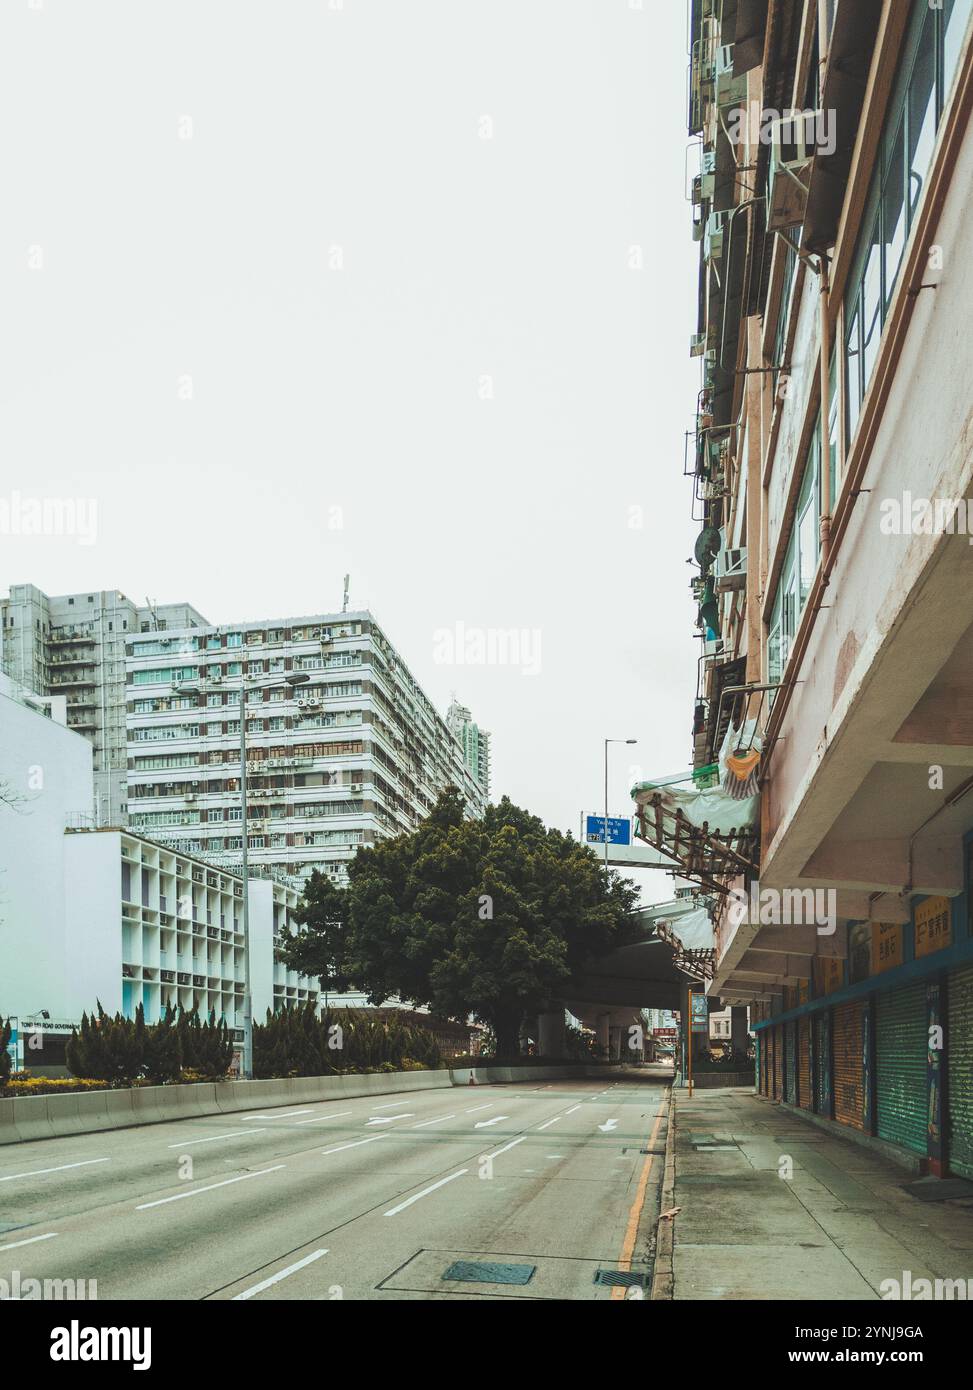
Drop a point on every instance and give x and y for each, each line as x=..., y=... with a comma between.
x=483, y=1272
x=621, y=1278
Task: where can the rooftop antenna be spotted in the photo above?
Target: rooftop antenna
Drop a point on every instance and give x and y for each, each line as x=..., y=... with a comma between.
x=344, y=606
x=155, y=617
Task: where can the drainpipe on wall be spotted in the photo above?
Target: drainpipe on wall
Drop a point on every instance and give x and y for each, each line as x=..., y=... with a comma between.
x=824, y=300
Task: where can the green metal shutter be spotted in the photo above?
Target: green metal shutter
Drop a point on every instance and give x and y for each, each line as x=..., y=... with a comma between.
x=778, y=1062
x=822, y=1062
x=900, y=1049
x=804, y=1062
x=849, y=1075
x=959, y=1072
x=790, y=1045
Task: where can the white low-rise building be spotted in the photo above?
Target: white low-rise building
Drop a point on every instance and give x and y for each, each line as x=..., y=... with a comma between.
x=99, y=915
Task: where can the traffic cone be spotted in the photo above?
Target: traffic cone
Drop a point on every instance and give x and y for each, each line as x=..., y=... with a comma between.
x=472, y=1079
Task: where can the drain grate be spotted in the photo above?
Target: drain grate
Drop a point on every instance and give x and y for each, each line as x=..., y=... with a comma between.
x=939, y=1189
x=621, y=1278
x=485, y=1272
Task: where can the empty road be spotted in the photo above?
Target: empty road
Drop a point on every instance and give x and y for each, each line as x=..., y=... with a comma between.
x=357, y=1199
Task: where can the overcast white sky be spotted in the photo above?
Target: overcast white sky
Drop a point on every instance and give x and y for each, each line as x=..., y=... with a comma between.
x=387, y=211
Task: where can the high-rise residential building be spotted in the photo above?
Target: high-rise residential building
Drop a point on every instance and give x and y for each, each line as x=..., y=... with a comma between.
x=343, y=747
x=74, y=645
x=474, y=741
x=833, y=469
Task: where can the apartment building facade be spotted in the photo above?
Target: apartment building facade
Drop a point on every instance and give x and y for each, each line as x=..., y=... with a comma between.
x=343, y=748
x=833, y=470
x=474, y=741
x=74, y=645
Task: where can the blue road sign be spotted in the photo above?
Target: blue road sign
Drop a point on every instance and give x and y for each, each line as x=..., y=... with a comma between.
x=619, y=830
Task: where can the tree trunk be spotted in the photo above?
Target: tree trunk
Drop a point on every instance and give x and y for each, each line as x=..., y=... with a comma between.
x=506, y=1028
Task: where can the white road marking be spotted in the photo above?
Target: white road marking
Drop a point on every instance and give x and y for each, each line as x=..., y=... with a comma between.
x=354, y=1144
x=608, y=1126
x=336, y=1116
x=512, y=1145
x=389, y=1119
x=275, y=1116
x=276, y=1278
x=393, y=1211
x=59, y=1169
x=392, y=1105
x=32, y=1240
x=493, y=1120
x=474, y=1108
x=231, y=1134
x=441, y=1120
x=572, y=1110
x=209, y=1187
x=547, y=1124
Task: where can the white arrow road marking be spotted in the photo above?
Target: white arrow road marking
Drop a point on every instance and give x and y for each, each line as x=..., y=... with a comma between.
x=388, y=1119
x=32, y=1240
x=209, y=1187
x=231, y=1134
x=35, y=1172
x=276, y=1278
x=393, y=1211
x=442, y=1118
x=275, y=1116
x=494, y=1120
x=608, y=1125
x=354, y=1144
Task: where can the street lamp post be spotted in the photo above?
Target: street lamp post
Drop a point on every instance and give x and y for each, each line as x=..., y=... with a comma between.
x=605, y=827
x=292, y=681
x=245, y=685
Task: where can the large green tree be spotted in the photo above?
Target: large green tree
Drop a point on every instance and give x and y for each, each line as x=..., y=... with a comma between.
x=490, y=917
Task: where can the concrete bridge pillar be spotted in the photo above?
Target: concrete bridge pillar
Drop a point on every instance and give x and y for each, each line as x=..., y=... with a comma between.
x=551, y=1034
x=603, y=1033
x=739, y=1037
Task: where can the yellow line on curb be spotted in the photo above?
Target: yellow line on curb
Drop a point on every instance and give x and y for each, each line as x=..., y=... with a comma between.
x=631, y=1230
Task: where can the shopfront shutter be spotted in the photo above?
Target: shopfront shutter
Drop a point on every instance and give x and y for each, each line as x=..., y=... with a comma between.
x=790, y=1054
x=778, y=1063
x=822, y=1062
x=804, y=1097
x=959, y=1072
x=849, y=1088
x=900, y=1051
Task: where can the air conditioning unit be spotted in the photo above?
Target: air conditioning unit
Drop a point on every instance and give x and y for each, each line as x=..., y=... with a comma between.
x=356, y=786
x=216, y=679
x=716, y=225
x=730, y=570
x=789, y=172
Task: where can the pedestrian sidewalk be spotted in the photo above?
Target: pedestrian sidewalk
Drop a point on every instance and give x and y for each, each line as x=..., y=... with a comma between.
x=835, y=1226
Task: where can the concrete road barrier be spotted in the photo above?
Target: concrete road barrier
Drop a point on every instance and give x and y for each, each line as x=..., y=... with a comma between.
x=26, y=1118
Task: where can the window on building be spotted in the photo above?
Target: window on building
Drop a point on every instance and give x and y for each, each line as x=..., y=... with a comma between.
x=915, y=109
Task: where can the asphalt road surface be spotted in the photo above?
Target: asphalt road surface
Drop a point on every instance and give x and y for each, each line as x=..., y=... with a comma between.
x=374, y=1198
